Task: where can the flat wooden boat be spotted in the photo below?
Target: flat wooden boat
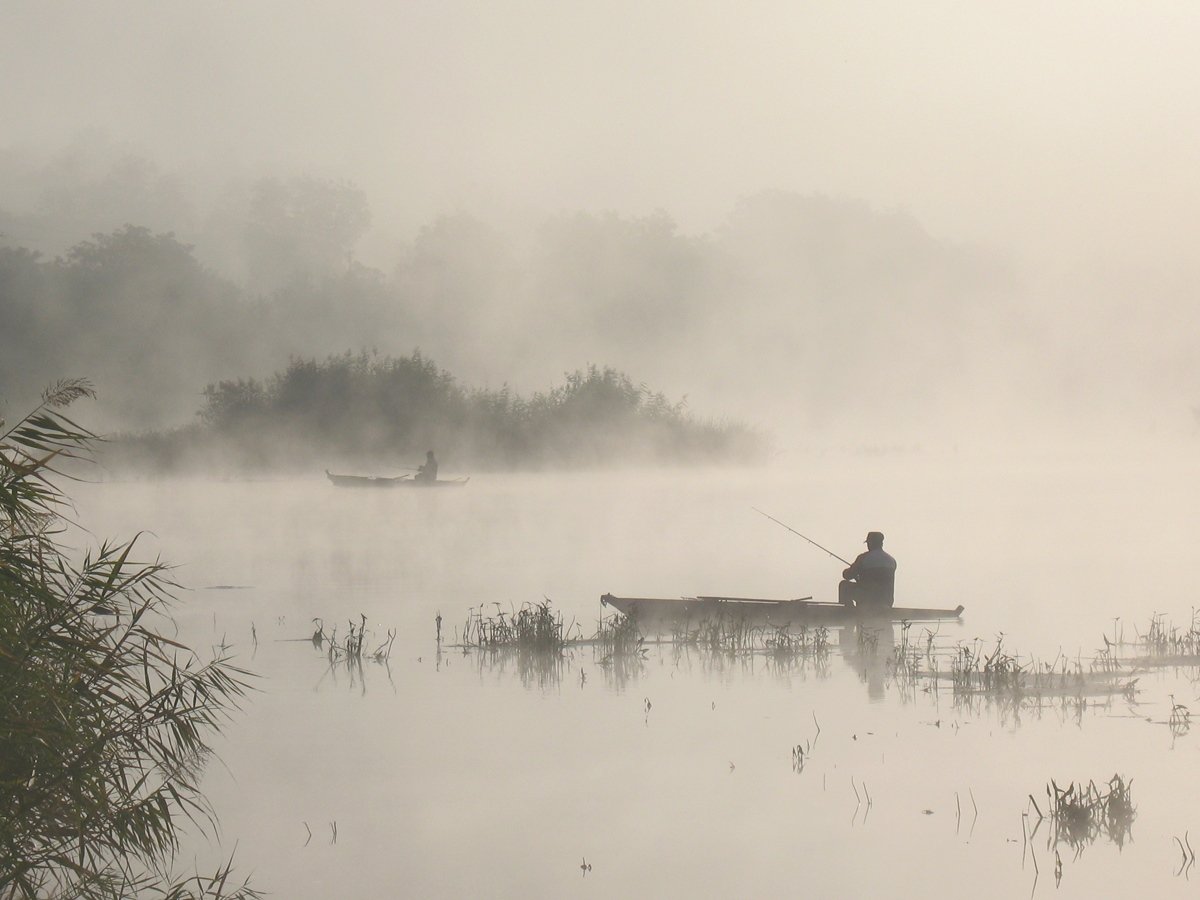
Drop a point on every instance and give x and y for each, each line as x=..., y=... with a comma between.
x=682, y=611
x=380, y=481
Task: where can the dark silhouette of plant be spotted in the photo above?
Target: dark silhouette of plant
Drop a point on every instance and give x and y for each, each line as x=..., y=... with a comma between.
x=103, y=720
x=382, y=408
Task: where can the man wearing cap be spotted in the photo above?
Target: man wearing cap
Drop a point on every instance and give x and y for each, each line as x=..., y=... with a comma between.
x=870, y=581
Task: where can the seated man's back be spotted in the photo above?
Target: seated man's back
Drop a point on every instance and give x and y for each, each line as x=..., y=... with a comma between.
x=871, y=578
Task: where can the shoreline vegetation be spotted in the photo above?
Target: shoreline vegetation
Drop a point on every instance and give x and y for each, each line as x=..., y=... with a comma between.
x=105, y=722
x=367, y=410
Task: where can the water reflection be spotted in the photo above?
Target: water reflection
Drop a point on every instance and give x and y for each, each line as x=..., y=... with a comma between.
x=350, y=656
x=620, y=669
x=1081, y=814
x=551, y=669
x=353, y=671
x=722, y=653
x=1187, y=857
x=1078, y=816
x=870, y=650
x=542, y=669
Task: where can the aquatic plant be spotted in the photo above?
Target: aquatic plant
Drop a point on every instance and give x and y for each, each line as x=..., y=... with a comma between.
x=618, y=637
x=1165, y=644
x=782, y=643
x=998, y=674
x=535, y=639
x=1081, y=813
x=734, y=634
x=1180, y=720
x=104, y=721
x=1188, y=855
x=353, y=646
x=906, y=659
x=533, y=627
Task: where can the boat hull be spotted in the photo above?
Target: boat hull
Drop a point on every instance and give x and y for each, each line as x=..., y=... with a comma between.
x=399, y=481
x=692, y=611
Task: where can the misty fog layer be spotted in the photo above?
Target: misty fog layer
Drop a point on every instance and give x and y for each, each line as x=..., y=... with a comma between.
x=805, y=300
x=842, y=224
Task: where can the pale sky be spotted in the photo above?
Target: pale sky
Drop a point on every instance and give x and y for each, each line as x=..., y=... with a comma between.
x=1064, y=132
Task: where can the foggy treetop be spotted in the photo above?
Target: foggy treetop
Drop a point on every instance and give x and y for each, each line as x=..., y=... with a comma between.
x=1015, y=125
x=364, y=410
x=808, y=296
x=926, y=220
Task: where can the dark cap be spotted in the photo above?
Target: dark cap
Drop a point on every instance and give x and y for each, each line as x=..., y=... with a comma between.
x=874, y=537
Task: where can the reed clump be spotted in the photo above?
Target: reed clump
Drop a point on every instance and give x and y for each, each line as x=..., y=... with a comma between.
x=972, y=669
x=618, y=636
x=353, y=647
x=104, y=720
x=723, y=633
x=535, y=627
x=782, y=644
x=733, y=635
x=1166, y=644
x=1080, y=813
x=1000, y=674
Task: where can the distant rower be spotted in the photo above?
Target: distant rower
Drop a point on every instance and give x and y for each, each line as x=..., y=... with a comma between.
x=870, y=581
x=428, y=472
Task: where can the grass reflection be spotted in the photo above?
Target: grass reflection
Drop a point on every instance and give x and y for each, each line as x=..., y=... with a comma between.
x=1080, y=814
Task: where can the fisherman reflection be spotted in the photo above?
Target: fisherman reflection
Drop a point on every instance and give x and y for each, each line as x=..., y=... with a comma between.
x=869, y=647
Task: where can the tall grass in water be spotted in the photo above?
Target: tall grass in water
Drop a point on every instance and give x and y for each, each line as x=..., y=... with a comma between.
x=618, y=637
x=996, y=673
x=534, y=627
x=353, y=648
x=733, y=634
x=1081, y=813
x=103, y=720
x=533, y=638
x=1165, y=644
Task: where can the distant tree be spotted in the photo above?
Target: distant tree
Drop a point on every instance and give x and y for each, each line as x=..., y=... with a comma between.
x=636, y=281
x=362, y=406
x=146, y=298
x=27, y=310
x=459, y=286
x=302, y=228
x=99, y=192
x=228, y=404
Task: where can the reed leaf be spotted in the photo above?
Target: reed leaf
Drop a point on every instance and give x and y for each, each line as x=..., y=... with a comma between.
x=104, y=722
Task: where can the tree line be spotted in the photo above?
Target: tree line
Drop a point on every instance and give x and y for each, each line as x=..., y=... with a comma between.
x=797, y=300
x=370, y=409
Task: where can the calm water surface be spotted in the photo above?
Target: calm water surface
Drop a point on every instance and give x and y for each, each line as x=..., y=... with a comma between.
x=451, y=774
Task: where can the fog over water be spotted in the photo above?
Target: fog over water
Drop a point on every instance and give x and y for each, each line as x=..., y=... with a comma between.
x=467, y=773
x=938, y=256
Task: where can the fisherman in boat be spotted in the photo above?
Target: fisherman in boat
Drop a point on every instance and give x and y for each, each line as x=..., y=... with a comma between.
x=427, y=474
x=870, y=581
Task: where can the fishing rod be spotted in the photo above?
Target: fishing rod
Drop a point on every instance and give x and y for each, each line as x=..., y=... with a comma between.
x=798, y=534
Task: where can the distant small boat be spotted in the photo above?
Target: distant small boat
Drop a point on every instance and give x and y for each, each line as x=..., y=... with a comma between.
x=803, y=611
x=379, y=481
